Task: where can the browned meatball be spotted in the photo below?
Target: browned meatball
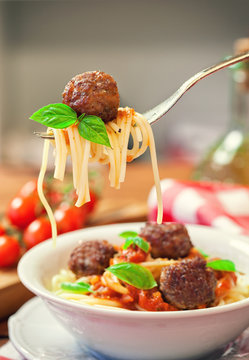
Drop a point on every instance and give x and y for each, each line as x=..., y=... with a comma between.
x=188, y=284
x=167, y=240
x=93, y=93
x=91, y=258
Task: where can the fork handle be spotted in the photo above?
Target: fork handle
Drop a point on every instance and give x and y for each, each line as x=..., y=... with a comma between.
x=158, y=111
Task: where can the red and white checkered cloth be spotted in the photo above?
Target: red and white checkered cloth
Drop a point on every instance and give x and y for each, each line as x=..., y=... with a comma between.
x=220, y=205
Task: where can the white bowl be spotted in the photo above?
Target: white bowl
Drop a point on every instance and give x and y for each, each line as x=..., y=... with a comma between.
x=118, y=334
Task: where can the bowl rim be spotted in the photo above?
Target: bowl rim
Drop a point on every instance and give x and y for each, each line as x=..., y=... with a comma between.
x=45, y=294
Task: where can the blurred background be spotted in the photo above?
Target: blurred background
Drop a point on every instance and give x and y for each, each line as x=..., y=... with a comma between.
x=150, y=47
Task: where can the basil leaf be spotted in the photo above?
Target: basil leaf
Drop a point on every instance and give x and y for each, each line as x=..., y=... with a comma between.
x=81, y=117
x=140, y=242
x=128, y=242
x=134, y=274
x=126, y=234
x=137, y=240
x=93, y=128
x=57, y=116
x=78, y=287
x=222, y=265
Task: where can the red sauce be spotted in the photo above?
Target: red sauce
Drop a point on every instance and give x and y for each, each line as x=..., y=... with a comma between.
x=150, y=300
x=133, y=254
x=129, y=158
x=226, y=280
x=103, y=292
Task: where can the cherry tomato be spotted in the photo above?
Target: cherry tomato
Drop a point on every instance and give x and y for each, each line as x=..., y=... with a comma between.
x=72, y=197
x=28, y=189
x=2, y=229
x=69, y=218
x=90, y=205
x=37, y=231
x=9, y=251
x=54, y=197
x=23, y=210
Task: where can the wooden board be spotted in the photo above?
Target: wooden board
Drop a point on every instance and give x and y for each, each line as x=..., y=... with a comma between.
x=13, y=294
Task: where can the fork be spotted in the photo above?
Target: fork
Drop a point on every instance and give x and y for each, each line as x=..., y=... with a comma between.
x=158, y=111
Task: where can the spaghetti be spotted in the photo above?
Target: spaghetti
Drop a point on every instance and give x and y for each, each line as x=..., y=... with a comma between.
x=110, y=291
x=127, y=125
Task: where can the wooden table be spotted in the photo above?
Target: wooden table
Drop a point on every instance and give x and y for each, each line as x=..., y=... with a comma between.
x=126, y=204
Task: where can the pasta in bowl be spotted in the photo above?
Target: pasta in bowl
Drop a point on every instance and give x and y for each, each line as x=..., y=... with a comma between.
x=115, y=332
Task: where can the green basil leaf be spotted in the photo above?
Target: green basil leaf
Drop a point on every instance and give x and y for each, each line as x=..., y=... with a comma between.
x=78, y=287
x=222, y=265
x=140, y=242
x=126, y=234
x=137, y=240
x=81, y=117
x=134, y=274
x=57, y=116
x=93, y=128
x=128, y=242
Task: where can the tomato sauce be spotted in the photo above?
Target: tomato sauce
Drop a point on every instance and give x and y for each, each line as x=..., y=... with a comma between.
x=150, y=300
x=103, y=292
x=225, y=281
x=133, y=254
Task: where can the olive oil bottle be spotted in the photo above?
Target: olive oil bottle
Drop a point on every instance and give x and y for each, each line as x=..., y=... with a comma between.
x=228, y=159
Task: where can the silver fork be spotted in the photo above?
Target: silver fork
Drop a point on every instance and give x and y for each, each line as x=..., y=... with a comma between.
x=158, y=111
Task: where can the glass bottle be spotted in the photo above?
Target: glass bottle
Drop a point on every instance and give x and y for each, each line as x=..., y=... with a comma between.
x=228, y=159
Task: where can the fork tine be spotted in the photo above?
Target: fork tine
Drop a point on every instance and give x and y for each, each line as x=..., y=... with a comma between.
x=44, y=135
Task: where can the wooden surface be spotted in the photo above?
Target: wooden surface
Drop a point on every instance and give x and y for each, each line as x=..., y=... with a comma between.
x=126, y=204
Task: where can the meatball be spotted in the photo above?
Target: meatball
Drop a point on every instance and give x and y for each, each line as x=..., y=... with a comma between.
x=167, y=240
x=91, y=258
x=93, y=93
x=188, y=284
